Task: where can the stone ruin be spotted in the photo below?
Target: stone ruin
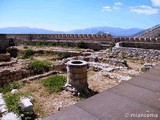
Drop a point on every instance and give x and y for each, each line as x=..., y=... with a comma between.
x=77, y=76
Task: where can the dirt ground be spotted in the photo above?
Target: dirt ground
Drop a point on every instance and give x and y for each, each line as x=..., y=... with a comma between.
x=47, y=104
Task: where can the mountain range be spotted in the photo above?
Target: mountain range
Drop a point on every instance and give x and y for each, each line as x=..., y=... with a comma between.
x=114, y=31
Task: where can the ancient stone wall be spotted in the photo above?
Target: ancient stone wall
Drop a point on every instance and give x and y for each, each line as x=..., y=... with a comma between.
x=60, y=36
x=133, y=39
x=4, y=43
x=88, y=44
x=145, y=45
x=136, y=53
x=7, y=76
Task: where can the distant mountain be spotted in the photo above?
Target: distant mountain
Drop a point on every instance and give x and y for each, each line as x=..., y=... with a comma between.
x=114, y=31
x=151, y=32
x=27, y=30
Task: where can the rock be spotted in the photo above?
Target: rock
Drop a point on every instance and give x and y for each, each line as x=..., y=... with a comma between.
x=5, y=57
x=14, y=91
x=3, y=109
x=109, y=69
x=1, y=99
x=26, y=104
x=10, y=116
x=2, y=105
x=125, y=78
x=114, y=75
x=137, y=53
x=147, y=66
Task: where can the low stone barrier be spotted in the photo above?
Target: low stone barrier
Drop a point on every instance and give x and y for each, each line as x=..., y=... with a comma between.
x=5, y=57
x=137, y=53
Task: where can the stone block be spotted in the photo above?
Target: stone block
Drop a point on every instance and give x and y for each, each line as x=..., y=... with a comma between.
x=5, y=57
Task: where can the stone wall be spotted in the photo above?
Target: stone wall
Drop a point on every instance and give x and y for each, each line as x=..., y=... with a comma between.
x=7, y=76
x=145, y=45
x=4, y=43
x=88, y=44
x=131, y=39
x=136, y=53
x=60, y=36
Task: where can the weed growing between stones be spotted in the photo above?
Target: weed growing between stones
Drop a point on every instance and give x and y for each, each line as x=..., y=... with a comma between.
x=54, y=83
x=64, y=55
x=27, y=54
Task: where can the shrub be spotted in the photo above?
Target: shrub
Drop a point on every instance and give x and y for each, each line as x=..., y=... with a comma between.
x=39, y=67
x=10, y=86
x=27, y=54
x=64, y=55
x=54, y=83
x=82, y=45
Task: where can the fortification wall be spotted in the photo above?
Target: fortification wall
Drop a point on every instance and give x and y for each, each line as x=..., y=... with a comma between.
x=61, y=36
x=133, y=39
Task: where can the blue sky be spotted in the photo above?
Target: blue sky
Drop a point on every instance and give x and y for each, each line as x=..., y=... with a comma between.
x=75, y=14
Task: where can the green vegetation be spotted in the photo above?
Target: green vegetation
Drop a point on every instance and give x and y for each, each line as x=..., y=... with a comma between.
x=10, y=86
x=38, y=44
x=54, y=83
x=64, y=55
x=27, y=54
x=82, y=44
x=39, y=67
x=12, y=101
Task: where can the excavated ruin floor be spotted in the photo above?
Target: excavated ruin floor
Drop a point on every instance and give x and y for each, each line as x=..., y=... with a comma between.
x=98, y=80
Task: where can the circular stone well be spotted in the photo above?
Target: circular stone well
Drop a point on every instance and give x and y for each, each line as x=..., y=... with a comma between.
x=76, y=75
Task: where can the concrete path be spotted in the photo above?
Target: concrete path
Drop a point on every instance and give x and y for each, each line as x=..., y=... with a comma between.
x=136, y=99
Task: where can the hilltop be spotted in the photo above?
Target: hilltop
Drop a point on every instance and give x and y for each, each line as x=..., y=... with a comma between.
x=153, y=32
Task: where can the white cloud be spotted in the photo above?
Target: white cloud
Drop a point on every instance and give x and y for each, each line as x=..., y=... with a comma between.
x=156, y=2
x=118, y=4
x=116, y=8
x=144, y=9
x=106, y=9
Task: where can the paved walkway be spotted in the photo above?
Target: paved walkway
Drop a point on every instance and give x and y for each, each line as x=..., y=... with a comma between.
x=136, y=99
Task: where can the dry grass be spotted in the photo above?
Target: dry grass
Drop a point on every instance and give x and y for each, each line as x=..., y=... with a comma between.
x=46, y=103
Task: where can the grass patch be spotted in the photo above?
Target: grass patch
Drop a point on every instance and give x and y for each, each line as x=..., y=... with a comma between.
x=39, y=44
x=27, y=54
x=64, y=55
x=54, y=83
x=39, y=67
x=82, y=45
x=10, y=86
x=12, y=102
